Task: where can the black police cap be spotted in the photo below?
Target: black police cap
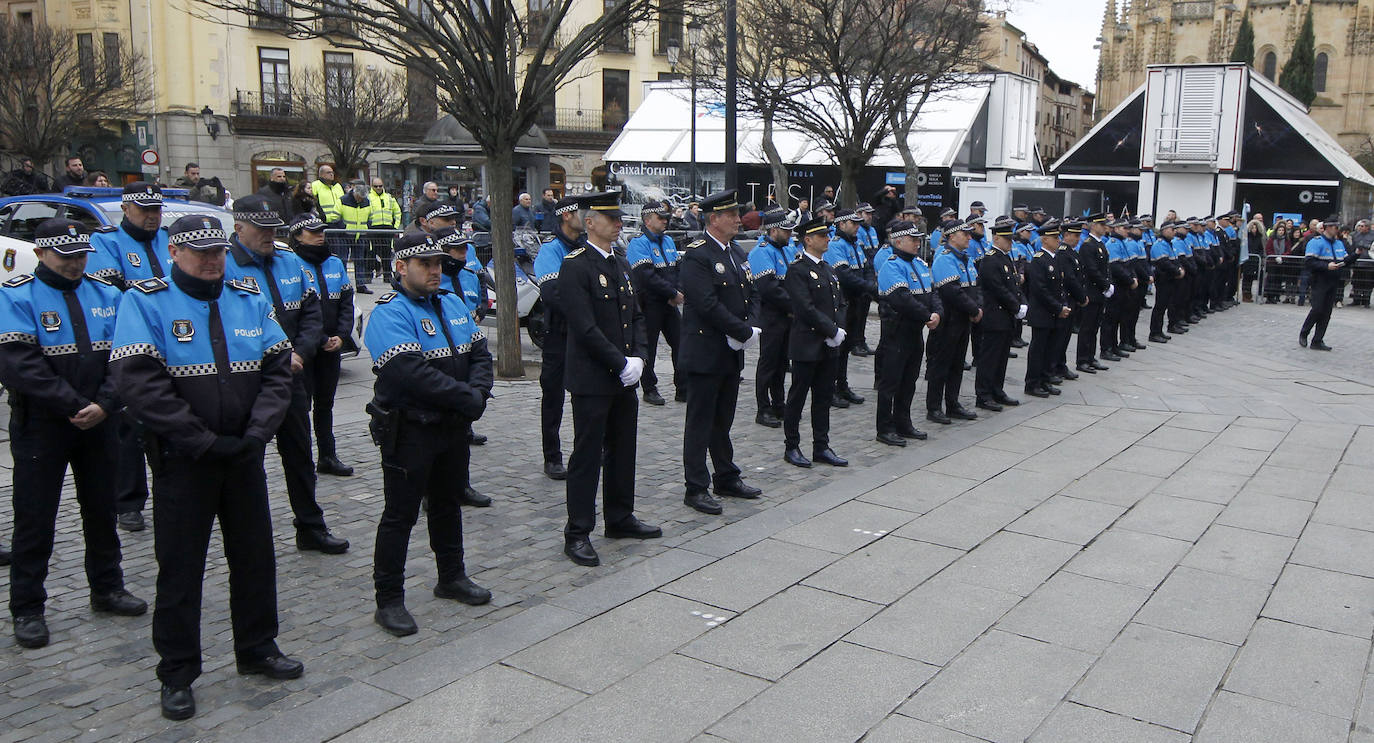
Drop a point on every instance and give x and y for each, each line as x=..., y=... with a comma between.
x=812, y=226
x=721, y=201
x=605, y=202
x=64, y=236
x=417, y=245
x=142, y=193
x=258, y=211
x=199, y=232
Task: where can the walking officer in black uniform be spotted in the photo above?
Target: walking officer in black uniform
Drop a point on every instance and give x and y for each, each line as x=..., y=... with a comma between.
x=768, y=263
x=907, y=289
x=717, y=324
x=813, y=346
x=606, y=349
x=207, y=369
x=567, y=238
x=1047, y=312
x=1003, y=305
x=956, y=281
x=1066, y=260
x=1097, y=284
x=283, y=278
x=434, y=377
x=55, y=330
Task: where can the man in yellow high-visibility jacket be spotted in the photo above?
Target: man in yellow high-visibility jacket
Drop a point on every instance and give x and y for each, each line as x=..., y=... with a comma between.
x=328, y=193
x=386, y=211
x=355, y=214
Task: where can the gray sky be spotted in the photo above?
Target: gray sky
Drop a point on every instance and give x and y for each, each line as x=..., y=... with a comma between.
x=1063, y=30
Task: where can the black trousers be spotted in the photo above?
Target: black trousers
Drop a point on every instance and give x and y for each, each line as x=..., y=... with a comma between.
x=42, y=447
x=817, y=379
x=1130, y=311
x=711, y=400
x=322, y=381
x=1089, y=320
x=1182, y=308
x=991, y=373
x=1220, y=282
x=551, y=397
x=1164, y=302
x=427, y=461
x=855, y=318
x=770, y=376
x=605, y=430
x=188, y=495
x=1038, y=361
x=1324, y=294
x=1059, y=342
x=902, y=347
x=664, y=319
x=945, y=367
x=131, y=475
x=297, y=458
x=865, y=303
x=1113, y=308
x=1202, y=282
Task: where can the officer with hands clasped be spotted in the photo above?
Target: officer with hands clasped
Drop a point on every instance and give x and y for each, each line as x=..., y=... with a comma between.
x=207, y=369
x=55, y=330
x=907, y=288
x=813, y=346
x=434, y=377
x=1047, y=313
x=1003, y=305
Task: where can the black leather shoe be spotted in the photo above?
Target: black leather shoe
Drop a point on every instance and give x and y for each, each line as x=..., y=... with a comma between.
x=795, y=458
x=1098, y=365
x=1109, y=356
x=395, y=620
x=463, y=590
x=680, y=396
x=5, y=556
x=276, y=666
x=1012, y=355
x=1054, y=390
x=911, y=432
x=891, y=439
x=121, y=603
x=320, y=540
x=1138, y=347
x=766, y=418
x=827, y=456
x=362, y=289
x=1086, y=367
x=555, y=471
x=579, y=550
x=31, y=631
x=332, y=466
x=992, y=405
x=737, y=489
x=633, y=528
x=476, y=439
x=1055, y=379
x=1158, y=338
x=968, y=366
x=471, y=497
x=1068, y=374
x=1038, y=391
x=1018, y=343
x=130, y=521
x=1319, y=346
x=1302, y=341
x=652, y=397
x=1010, y=402
x=862, y=350
x=178, y=703
x=1122, y=352
x=850, y=395
x=963, y=413
x=838, y=402
x=935, y=416
x=702, y=501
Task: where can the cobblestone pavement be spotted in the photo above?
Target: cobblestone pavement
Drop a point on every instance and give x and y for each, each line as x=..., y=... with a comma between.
x=1182, y=544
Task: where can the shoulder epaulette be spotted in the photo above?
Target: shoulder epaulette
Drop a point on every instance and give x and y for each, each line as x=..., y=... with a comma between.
x=385, y=298
x=575, y=253
x=99, y=279
x=695, y=244
x=148, y=286
x=243, y=286
x=285, y=248
x=19, y=280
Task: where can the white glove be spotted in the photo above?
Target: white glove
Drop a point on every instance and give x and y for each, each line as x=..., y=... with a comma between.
x=837, y=340
x=733, y=344
x=1111, y=289
x=753, y=338
x=1021, y=314
x=634, y=367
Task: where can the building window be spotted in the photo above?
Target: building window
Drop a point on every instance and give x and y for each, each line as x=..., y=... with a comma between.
x=1271, y=65
x=1319, y=73
x=537, y=14
x=422, y=97
x=114, y=74
x=615, y=98
x=669, y=25
x=275, y=68
x=85, y=59
x=617, y=40
x=338, y=80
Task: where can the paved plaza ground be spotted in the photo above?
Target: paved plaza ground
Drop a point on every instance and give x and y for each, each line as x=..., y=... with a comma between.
x=1179, y=548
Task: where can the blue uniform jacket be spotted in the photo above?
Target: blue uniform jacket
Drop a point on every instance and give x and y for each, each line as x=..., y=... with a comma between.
x=122, y=260
x=336, y=299
x=653, y=263
x=299, y=310
x=956, y=279
x=469, y=283
x=546, y=267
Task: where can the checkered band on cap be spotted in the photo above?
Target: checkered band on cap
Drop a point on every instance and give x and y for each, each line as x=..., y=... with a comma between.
x=180, y=238
x=261, y=215
x=455, y=238
x=310, y=222
x=566, y=208
x=659, y=208
x=149, y=195
x=910, y=231
x=60, y=241
x=429, y=247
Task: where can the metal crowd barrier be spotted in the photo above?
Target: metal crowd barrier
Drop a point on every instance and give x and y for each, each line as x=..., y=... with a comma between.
x=1286, y=280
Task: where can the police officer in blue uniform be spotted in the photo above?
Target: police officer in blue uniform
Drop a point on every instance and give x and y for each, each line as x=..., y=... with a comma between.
x=868, y=237
x=653, y=264
x=1180, y=310
x=813, y=345
x=907, y=288
x=850, y=263
x=1123, y=294
x=283, y=278
x=1167, y=275
x=606, y=350
x=55, y=330
x=567, y=238
x=434, y=377
x=336, y=313
x=1327, y=256
x=207, y=369
x=1047, y=312
x=956, y=281
x=768, y=263
x=1095, y=264
x=1131, y=302
x=135, y=251
x=718, y=322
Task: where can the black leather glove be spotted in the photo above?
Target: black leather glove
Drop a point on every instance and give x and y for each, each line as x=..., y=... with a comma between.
x=225, y=447
x=473, y=405
x=253, y=445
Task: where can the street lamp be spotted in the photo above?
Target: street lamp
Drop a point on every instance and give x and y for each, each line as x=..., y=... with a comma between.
x=207, y=116
x=674, y=51
x=694, y=41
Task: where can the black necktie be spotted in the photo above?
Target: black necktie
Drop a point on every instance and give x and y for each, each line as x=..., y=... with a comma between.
x=153, y=262
x=78, y=319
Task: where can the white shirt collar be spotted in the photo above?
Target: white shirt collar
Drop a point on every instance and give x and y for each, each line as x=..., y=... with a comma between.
x=604, y=253
x=813, y=258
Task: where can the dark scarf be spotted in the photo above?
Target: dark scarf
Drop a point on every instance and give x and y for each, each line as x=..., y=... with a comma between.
x=137, y=233
x=202, y=289
x=55, y=280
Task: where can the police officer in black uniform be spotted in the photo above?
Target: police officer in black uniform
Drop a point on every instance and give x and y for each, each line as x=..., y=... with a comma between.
x=813, y=346
x=717, y=324
x=1097, y=284
x=1066, y=260
x=606, y=350
x=1047, y=312
x=567, y=239
x=55, y=330
x=1003, y=305
x=434, y=377
x=207, y=369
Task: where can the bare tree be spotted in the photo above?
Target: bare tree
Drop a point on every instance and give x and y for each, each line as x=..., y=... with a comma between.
x=495, y=67
x=350, y=110
x=53, y=81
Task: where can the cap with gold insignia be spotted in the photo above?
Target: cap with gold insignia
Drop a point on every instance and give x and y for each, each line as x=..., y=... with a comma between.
x=1073, y=225
x=257, y=211
x=1050, y=226
x=417, y=245
x=721, y=201
x=1004, y=226
x=1096, y=217
x=142, y=193
x=64, y=236
x=606, y=203
x=198, y=232
x=811, y=226
x=307, y=222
